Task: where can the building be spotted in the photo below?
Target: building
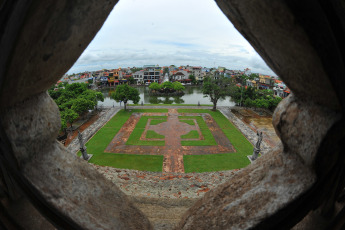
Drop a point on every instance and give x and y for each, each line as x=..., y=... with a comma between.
x=139, y=77
x=151, y=74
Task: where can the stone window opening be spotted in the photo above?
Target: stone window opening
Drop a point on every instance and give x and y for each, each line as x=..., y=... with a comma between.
x=297, y=185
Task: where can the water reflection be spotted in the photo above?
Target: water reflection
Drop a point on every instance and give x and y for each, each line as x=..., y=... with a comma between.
x=193, y=95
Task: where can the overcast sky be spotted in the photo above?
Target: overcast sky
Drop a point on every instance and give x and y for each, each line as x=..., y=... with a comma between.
x=168, y=32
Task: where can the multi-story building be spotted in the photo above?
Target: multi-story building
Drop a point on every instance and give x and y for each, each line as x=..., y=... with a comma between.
x=139, y=76
x=151, y=74
x=265, y=82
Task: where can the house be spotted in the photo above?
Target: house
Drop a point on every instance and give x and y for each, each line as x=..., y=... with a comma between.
x=180, y=76
x=265, y=82
x=139, y=76
x=151, y=74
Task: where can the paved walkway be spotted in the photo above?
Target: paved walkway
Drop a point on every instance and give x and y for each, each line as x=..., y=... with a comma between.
x=172, y=130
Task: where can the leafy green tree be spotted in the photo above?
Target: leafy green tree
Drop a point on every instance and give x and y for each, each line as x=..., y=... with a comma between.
x=178, y=86
x=131, y=80
x=167, y=86
x=193, y=79
x=125, y=93
x=216, y=89
x=154, y=86
x=81, y=105
x=166, y=70
x=68, y=116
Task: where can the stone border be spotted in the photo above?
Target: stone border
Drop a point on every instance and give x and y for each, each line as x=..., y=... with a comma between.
x=90, y=131
x=244, y=128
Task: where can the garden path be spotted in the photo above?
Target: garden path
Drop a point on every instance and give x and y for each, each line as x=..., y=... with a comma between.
x=172, y=130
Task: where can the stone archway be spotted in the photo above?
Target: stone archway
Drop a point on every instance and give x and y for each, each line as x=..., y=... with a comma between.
x=299, y=41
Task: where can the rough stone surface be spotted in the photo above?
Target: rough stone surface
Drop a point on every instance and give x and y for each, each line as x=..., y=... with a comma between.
x=302, y=126
x=253, y=194
x=31, y=125
x=50, y=40
x=263, y=23
x=65, y=180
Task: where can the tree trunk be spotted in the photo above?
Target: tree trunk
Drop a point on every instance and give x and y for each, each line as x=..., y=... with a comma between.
x=214, y=106
x=125, y=103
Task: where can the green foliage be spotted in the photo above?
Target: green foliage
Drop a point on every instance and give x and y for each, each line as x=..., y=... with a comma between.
x=167, y=86
x=165, y=70
x=193, y=134
x=68, y=115
x=76, y=97
x=133, y=70
x=150, y=134
x=131, y=80
x=178, y=86
x=251, y=97
x=216, y=89
x=217, y=162
x=193, y=79
x=125, y=93
x=154, y=86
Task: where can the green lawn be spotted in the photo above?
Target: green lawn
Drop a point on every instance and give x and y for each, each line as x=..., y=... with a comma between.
x=150, y=134
x=169, y=105
x=102, y=138
x=192, y=163
x=134, y=138
x=189, y=122
x=156, y=122
x=193, y=134
x=206, y=133
x=218, y=162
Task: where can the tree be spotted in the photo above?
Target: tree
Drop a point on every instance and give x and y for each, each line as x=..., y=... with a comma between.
x=81, y=105
x=125, y=93
x=154, y=86
x=131, y=80
x=215, y=89
x=193, y=79
x=68, y=116
x=167, y=86
x=166, y=70
x=178, y=86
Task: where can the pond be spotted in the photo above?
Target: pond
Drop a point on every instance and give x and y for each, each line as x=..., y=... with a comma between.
x=193, y=95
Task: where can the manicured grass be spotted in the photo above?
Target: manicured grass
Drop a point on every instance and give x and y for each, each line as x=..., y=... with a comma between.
x=189, y=122
x=102, y=138
x=156, y=122
x=193, y=134
x=134, y=138
x=206, y=133
x=150, y=134
x=169, y=105
x=218, y=162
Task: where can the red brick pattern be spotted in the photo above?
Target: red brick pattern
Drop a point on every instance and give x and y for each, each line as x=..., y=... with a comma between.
x=172, y=130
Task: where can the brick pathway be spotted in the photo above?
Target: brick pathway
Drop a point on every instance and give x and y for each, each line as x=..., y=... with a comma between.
x=172, y=130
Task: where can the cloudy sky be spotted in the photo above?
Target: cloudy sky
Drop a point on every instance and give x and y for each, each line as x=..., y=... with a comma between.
x=168, y=32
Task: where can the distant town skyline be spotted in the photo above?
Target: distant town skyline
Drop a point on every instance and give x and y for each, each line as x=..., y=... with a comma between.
x=170, y=32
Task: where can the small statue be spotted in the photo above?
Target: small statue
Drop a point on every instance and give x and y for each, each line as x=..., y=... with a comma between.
x=82, y=147
x=257, y=149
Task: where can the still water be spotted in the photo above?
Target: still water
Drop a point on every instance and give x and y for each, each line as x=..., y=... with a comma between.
x=193, y=95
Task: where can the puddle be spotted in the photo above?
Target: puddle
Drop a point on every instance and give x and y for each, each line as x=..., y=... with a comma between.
x=258, y=120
